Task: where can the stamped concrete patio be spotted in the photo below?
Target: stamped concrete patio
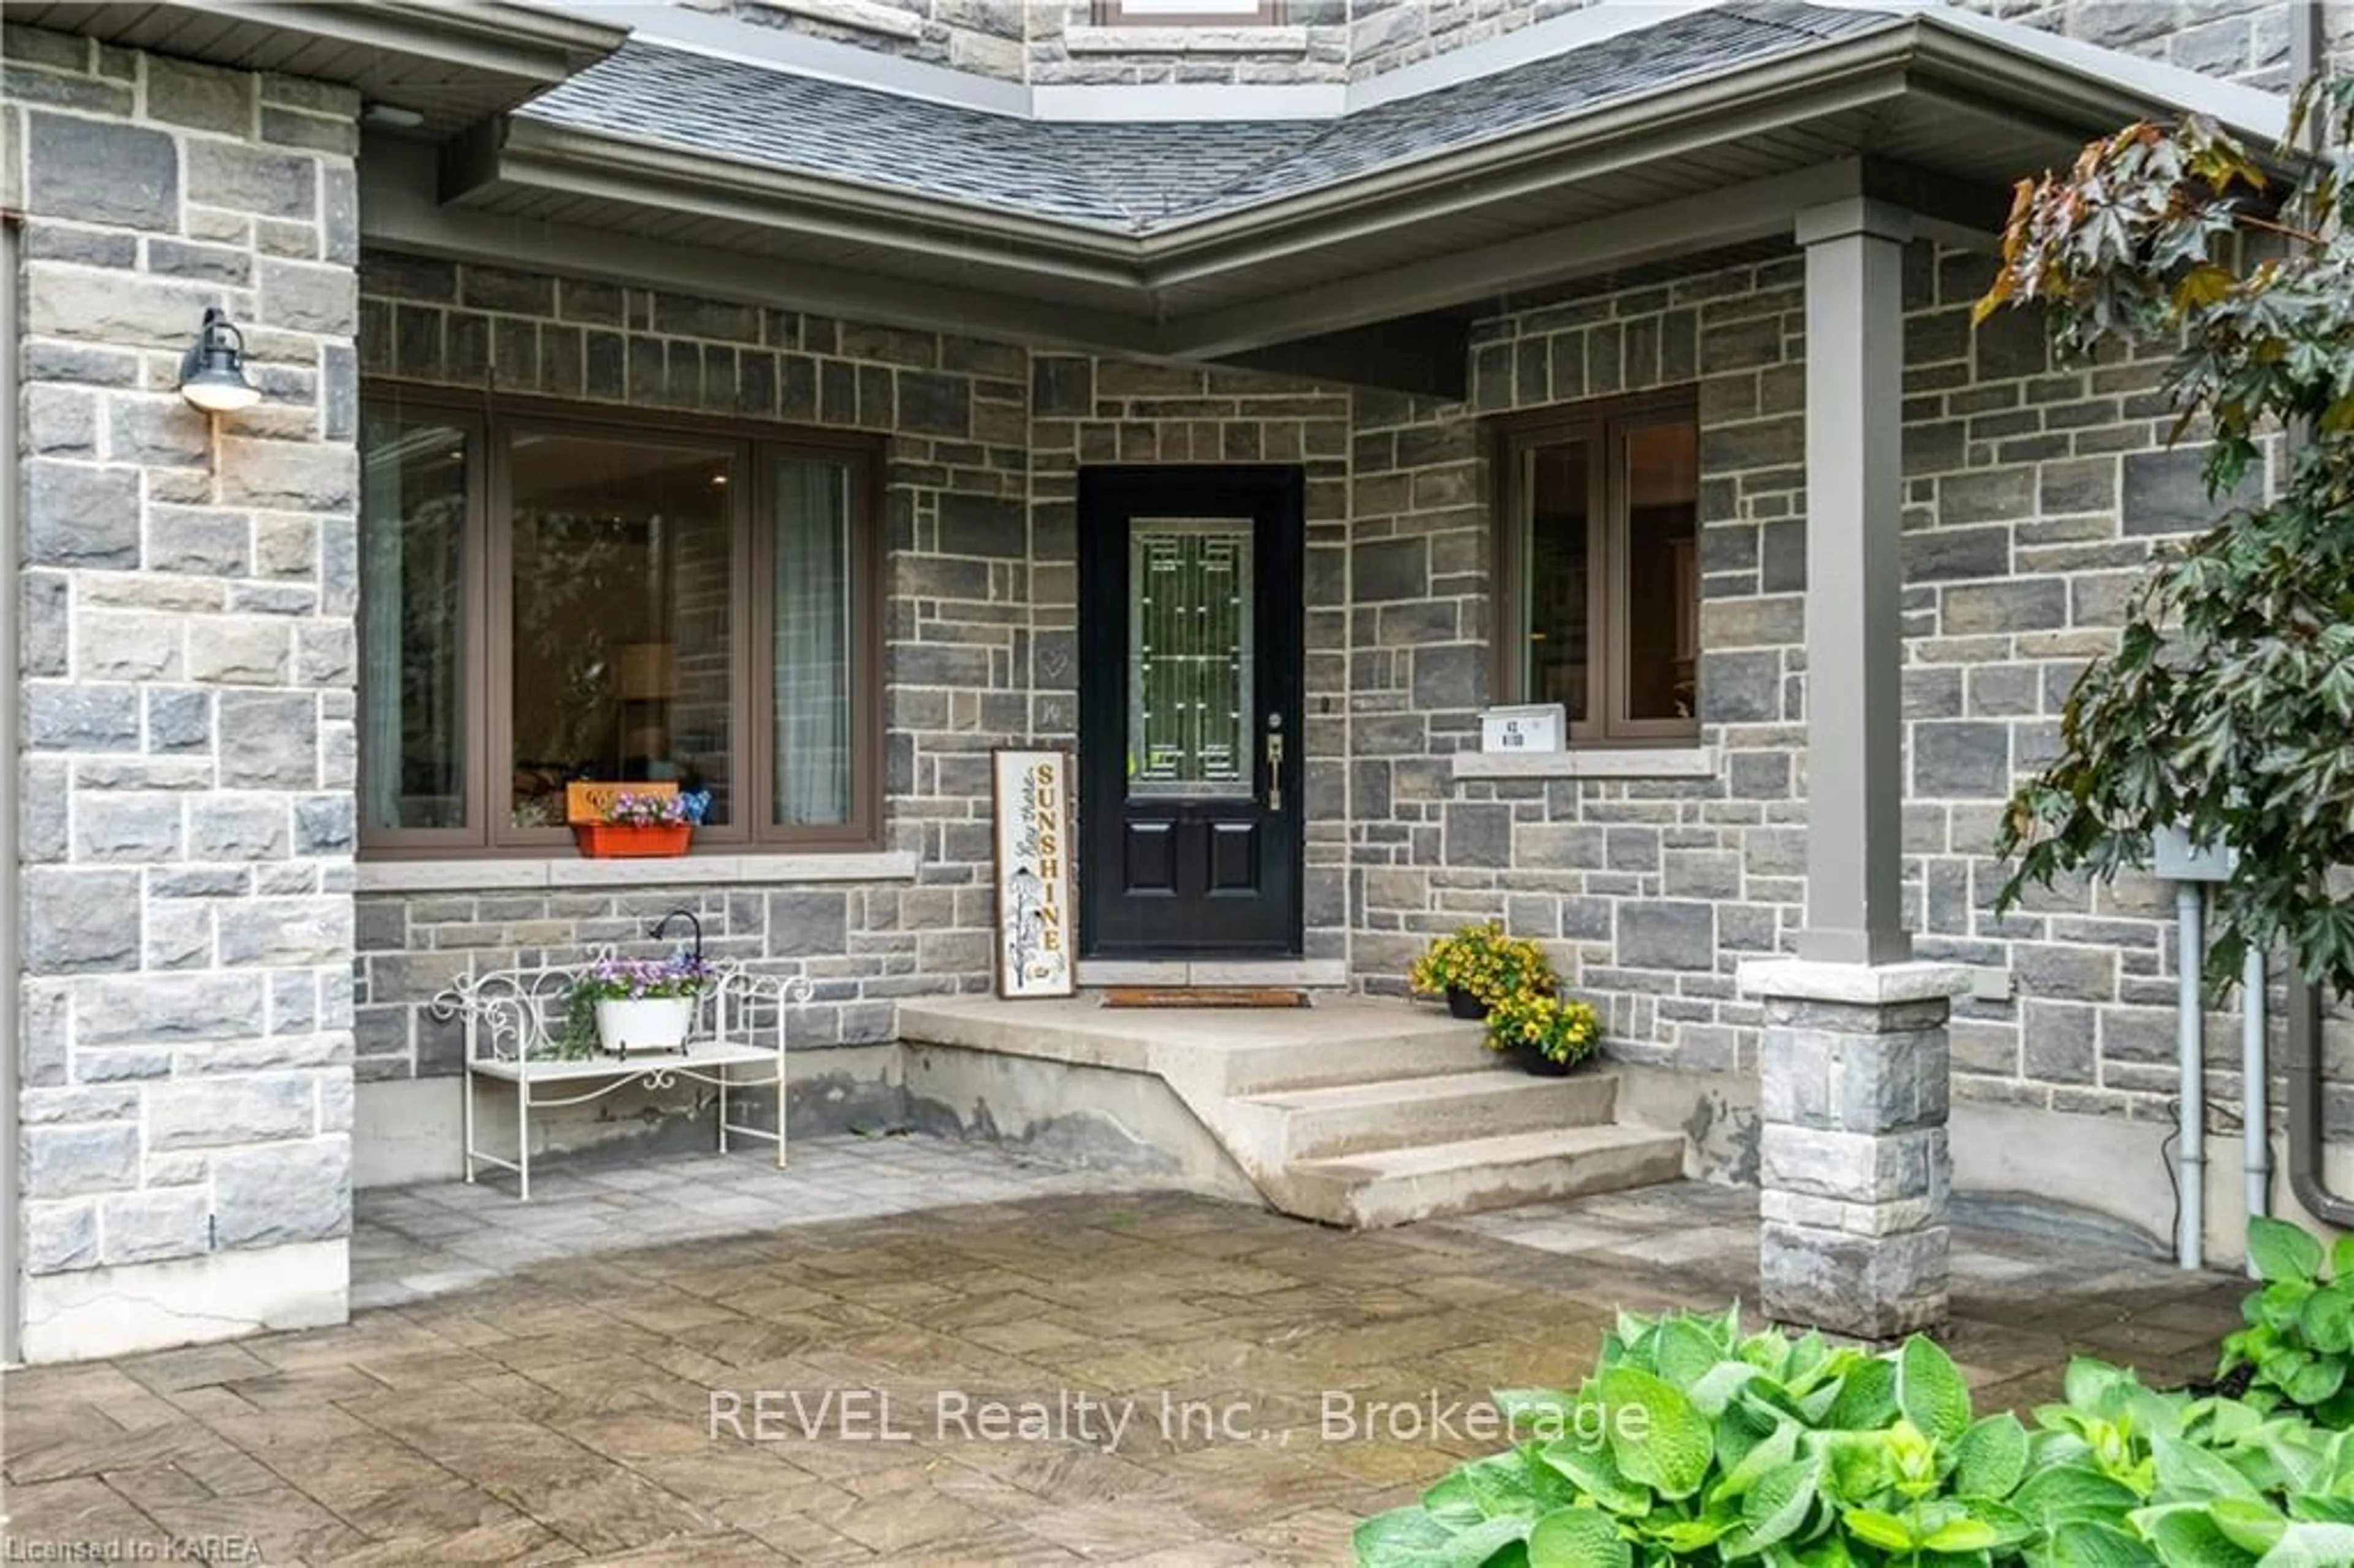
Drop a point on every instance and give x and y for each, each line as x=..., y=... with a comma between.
x=538, y=1397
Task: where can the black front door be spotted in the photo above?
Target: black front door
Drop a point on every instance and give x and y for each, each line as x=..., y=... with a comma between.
x=1189, y=630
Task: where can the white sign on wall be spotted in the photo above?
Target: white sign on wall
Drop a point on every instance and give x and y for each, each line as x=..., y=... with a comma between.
x=1037, y=930
x=1542, y=727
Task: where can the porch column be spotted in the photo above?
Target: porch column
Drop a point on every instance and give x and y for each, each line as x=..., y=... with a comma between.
x=1854, y=1069
x=1855, y=371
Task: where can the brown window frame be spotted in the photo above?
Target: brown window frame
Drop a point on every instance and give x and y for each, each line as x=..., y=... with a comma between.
x=485, y=584
x=1602, y=426
x=1115, y=13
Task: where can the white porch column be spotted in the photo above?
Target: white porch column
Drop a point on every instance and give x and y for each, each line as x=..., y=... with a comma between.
x=1855, y=427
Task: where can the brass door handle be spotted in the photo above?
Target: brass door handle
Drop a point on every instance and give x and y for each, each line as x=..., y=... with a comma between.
x=1274, y=771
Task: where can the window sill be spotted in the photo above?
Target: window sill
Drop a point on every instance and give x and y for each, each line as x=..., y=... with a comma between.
x=1591, y=762
x=1243, y=38
x=569, y=871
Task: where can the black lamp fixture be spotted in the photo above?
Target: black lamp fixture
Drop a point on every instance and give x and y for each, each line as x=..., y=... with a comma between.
x=212, y=373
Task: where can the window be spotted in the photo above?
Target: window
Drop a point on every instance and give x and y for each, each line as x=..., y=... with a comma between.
x=548, y=595
x=1185, y=13
x=1598, y=580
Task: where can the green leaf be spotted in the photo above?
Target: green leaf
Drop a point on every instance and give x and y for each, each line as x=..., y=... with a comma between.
x=1991, y=1457
x=1885, y=1530
x=1587, y=1465
x=2186, y=1538
x=1483, y=1545
x=2341, y=1257
x=2328, y=1321
x=2082, y=1544
x=1669, y=1449
x=2187, y=1471
x=1777, y=1506
x=1451, y=1499
x=2312, y=1546
x=2074, y=1492
x=1778, y=1449
x=1402, y=1538
x=1684, y=1351
x=1866, y=1399
x=1960, y=1535
x=1931, y=1391
x=1577, y=1537
x=2247, y=1524
x=2283, y=1251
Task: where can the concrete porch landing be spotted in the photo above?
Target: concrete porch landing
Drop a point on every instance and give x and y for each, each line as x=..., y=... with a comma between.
x=1351, y=1112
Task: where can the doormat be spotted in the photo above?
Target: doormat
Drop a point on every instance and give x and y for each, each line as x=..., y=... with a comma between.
x=1203, y=996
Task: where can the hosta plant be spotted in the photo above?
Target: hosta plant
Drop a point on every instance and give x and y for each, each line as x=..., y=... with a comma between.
x=2298, y=1345
x=1693, y=1443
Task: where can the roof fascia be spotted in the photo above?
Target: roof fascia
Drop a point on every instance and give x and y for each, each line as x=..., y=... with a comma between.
x=1680, y=118
x=545, y=157
x=2111, y=87
x=492, y=36
x=400, y=211
x=1758, y=209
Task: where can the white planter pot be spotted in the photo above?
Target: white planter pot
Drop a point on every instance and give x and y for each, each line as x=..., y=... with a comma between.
x=647, y=1023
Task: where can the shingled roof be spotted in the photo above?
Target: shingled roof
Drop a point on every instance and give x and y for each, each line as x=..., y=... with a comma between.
x=1137, y=178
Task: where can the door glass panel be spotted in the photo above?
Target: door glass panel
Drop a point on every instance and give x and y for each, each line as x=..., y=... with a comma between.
x=624, y=566
x=1663, y=570
x=413, y=675
x=1556, y=483
x=1189, y=715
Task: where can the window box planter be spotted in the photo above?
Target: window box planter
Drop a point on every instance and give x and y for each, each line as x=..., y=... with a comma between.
x=619, y=840
x=644, y=1024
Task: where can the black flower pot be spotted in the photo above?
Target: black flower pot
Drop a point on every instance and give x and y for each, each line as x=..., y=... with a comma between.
x=1536, y=1063
x=1461, y=1003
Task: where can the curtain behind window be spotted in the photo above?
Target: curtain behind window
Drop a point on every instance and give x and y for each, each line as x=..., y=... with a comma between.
x=813, y=647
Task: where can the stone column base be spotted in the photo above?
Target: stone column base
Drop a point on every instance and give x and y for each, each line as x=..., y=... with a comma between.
x=1852, y=1095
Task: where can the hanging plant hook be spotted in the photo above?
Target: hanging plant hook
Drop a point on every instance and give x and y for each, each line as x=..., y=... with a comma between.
x=694, y=924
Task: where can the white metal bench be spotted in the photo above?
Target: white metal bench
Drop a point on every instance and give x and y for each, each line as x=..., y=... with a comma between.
x=515, y=1034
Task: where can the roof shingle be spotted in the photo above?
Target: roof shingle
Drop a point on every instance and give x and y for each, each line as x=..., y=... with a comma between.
x=1138, y=177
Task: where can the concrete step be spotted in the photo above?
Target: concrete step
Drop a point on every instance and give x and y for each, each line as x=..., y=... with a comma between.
x=1393, y=1186
x=1420, y=1048
x=1395, y=1113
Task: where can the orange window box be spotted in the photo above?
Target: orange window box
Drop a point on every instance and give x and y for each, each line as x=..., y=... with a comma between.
x=621, y=841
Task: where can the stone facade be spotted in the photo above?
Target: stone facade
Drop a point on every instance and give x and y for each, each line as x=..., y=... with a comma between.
x=958, y=628
x=188, y=661
x=982, y=474
x=2037, y=497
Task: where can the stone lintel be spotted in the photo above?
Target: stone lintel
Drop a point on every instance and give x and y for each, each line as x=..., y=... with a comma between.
x=1868, y=985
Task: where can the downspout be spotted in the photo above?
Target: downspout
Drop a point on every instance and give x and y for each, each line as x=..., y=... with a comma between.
x=12, y=692
x=2255, y=1089
x=2191, y=1126
x=2307, y=1127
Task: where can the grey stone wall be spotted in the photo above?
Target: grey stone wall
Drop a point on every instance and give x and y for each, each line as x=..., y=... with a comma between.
x=958, y=625
x=2037, y=495
x=1387, y=34
x=984, y=36
x=1308, y=42
x=2242, y=40
x=188, y=654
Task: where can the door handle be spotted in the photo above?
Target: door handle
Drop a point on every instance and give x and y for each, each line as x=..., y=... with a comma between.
x=1274, y=771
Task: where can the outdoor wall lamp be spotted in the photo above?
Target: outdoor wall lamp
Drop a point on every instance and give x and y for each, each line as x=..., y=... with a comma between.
x=212, y=373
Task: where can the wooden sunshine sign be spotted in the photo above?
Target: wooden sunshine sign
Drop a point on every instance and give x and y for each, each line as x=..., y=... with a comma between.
x=1036, y=927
